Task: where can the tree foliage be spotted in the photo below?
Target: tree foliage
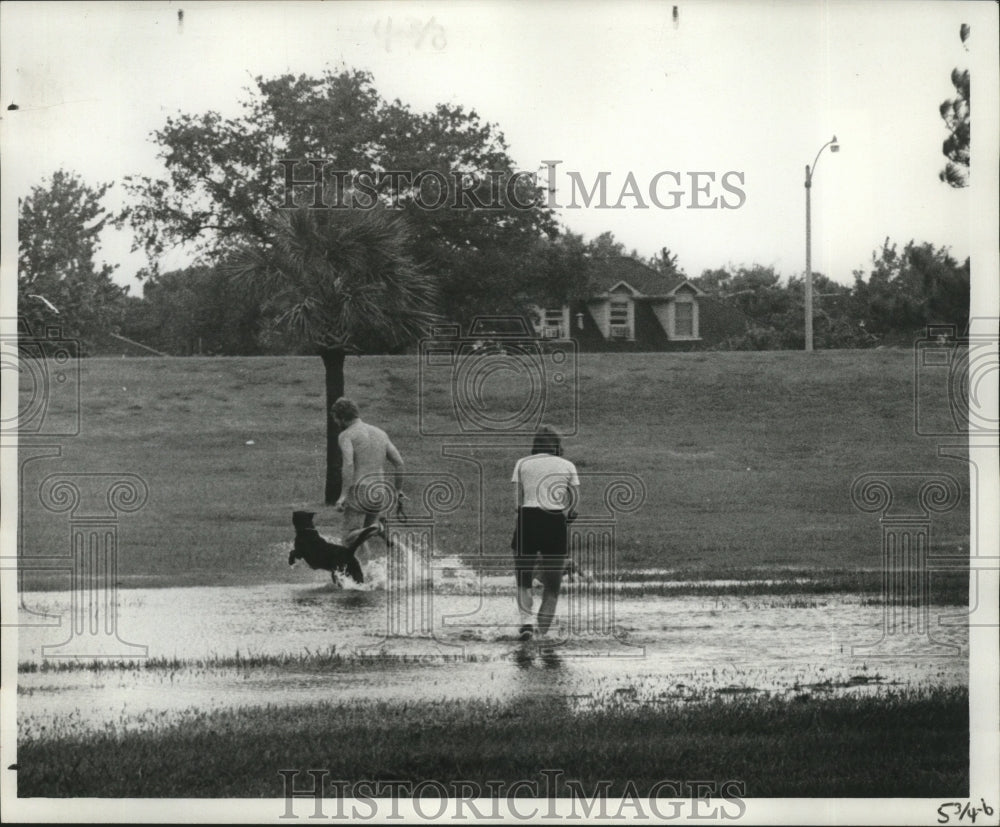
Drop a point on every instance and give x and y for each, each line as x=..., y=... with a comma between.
x=955, y=112
x=196, y=310
x=59, y=282
x=907, y=290
x=605, y=246
x=902, y=294
x=665, y=263
x=768, y=305
x=338, y=282
x=223, y=181
x=893, y=303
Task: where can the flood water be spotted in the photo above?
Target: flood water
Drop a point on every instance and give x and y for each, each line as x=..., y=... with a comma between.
x=228, y=647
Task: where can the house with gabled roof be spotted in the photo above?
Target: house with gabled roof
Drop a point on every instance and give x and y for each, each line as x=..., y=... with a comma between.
x=631, y=307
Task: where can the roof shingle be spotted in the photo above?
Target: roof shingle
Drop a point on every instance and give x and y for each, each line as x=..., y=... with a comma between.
x=605, y=273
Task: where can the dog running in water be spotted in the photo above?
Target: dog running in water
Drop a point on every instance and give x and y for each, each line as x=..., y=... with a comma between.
x=322, y=554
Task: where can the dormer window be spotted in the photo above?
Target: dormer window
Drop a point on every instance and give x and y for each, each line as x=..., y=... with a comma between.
x=555, y=324
x=684, y=319
x=683, y=322
x=621, y=319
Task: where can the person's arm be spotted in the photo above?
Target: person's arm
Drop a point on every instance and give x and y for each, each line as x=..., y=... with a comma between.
x=346, y=468
x=520, y=486
x=573, y=489
x=396, y=460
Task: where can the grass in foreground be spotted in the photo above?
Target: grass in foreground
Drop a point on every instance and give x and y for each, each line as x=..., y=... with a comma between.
x=913, y=743
x=320, y=661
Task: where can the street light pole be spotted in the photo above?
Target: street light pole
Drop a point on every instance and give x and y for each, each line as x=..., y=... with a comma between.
x=834, y=147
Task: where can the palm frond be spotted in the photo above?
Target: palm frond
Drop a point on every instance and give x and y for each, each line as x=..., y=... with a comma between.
x=339, y=278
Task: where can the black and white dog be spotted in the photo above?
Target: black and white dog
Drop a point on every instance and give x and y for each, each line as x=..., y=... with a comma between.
x=321, y=554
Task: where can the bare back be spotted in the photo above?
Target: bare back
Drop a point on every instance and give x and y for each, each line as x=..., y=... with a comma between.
x=367, y=449
x=370, y=447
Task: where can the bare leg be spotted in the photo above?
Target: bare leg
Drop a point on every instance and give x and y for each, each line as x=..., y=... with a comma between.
x=551, y=584
x=524, y=602
x=354, y=521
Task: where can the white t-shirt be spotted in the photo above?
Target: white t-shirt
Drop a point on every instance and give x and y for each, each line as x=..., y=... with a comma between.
x=545, y=479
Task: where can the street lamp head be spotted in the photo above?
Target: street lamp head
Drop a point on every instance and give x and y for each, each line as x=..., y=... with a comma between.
x=834, y=146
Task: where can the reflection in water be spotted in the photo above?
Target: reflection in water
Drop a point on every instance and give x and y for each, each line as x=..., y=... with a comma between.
x=524, y=656
x=550, y=659
x=541, y=676
x=531, y=655
x=358, y=599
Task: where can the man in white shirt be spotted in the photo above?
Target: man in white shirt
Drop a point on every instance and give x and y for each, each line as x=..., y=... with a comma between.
x=547, y=487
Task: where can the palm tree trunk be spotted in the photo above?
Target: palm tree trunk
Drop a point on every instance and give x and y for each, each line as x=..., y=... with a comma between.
x=333, y=365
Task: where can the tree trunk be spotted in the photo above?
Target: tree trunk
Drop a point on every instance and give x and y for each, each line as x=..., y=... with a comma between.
x=333, y=365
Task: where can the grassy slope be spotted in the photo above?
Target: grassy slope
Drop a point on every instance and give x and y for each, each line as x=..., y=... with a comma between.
x=747, y=458
x=912, y=745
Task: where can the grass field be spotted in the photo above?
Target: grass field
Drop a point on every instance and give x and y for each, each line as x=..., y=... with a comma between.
x=909, y=744
x=747, y=458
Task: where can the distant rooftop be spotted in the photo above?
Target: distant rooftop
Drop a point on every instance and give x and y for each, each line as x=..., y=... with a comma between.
x=605, y=273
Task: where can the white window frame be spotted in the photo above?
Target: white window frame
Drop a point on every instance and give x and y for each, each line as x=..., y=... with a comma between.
x=695, y=333
x=558, y=329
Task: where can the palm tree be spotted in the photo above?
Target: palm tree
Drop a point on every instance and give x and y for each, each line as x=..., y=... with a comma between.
x=338, y=281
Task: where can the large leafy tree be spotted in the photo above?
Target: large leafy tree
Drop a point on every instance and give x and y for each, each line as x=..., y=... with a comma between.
x=909, y=289
x=223, y=179
x=774, y=309
x=197, y=310
x=59, y=281
x=606, y=246
x=955, y=112
x=339, y=282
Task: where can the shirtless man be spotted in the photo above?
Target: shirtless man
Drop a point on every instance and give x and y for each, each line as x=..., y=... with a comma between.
x=365, y=449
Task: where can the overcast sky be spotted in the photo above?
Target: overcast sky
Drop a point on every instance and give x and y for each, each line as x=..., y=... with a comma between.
x=753, y=88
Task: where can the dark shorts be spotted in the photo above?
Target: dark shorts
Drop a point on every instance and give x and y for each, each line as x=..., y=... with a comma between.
x=540, y=537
